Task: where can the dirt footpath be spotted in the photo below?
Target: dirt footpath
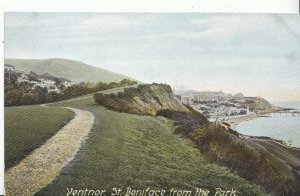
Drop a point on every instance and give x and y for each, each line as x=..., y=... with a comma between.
x=42, y=166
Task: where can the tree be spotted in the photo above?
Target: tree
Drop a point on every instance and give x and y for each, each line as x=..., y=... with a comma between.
x=40, y=94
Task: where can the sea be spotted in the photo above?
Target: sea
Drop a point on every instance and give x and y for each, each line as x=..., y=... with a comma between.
x=282, y=127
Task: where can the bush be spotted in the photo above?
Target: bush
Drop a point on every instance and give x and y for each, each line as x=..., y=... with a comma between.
x=22, y=94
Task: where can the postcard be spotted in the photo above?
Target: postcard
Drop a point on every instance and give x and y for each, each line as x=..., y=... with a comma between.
x=151, y=104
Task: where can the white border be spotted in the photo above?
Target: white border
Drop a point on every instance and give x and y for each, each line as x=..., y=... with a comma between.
x=235, y=6
x=2, y=106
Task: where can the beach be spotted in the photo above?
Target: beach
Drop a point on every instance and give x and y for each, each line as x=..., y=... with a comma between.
x=235, y=121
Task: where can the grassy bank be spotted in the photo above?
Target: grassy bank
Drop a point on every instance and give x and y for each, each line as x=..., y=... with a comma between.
x=140, y=151
x=275, y=169
x=28, y=127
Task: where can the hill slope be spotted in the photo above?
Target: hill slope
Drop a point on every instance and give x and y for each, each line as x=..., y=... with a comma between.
x=73, y=70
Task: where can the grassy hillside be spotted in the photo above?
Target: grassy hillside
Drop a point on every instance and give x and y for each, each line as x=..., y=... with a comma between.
x=223, y=146
x=140, y=151
x=69, y=69
x=262, y=161
x=27, y=127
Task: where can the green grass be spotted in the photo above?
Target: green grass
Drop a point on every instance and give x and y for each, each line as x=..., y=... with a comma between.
x=140, y=151
x=28, y=127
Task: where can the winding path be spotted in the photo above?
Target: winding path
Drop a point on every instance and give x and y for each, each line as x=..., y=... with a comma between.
x=42, y=166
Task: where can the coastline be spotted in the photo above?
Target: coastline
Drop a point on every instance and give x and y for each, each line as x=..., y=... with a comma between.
x=235, y=121
x=288, y=154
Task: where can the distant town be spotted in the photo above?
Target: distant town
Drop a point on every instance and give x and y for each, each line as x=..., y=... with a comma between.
x=217, y=105
x=33, y=80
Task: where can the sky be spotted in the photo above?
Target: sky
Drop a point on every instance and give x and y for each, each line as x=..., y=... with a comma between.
x=256, y=54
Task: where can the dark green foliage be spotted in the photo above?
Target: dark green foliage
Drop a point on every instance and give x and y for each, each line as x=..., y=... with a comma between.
x=247, y=158
x=22, y=94
x=188, y=121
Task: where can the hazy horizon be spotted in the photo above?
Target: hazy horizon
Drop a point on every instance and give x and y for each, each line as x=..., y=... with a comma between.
x=255, y=54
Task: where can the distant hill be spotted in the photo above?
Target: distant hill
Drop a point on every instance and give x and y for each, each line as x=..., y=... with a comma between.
x=258, y=103
x=63, y=68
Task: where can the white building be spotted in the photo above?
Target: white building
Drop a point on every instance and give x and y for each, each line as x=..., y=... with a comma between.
x=67, y=84
x=55, y=90
x=8, y=67
x=188, y=100
x=23, y=78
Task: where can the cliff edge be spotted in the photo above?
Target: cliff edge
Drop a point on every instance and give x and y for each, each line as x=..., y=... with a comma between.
x=146, y=99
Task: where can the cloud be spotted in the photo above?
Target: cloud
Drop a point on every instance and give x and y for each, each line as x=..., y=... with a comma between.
x=109, y=22
x=19, y=20
x=37, y=20
x=227, y=26
x=79, y=23
x=289, y=23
